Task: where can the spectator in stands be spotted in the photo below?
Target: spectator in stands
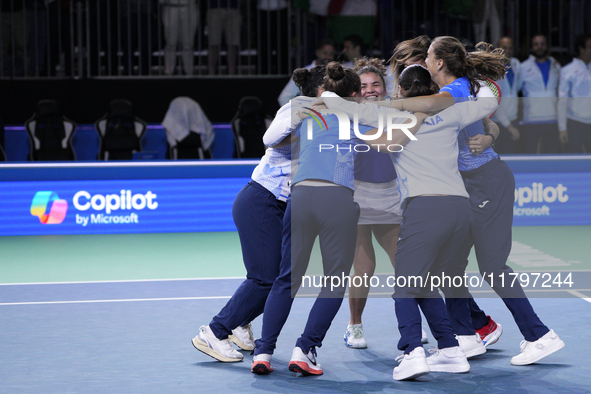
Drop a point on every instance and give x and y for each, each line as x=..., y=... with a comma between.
x=574, y=117
x=37, y=43
x=223, y=15
x=273, y=42
x=14, y=37
x=325, y=51
x=352, y=48
x=135, y=17
x=506, y=115
x=347, y=17
x=485, y=13
x=538, y=79
x=180, y=18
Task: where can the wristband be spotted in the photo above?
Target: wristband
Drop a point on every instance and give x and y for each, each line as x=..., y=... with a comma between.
x=491, y=136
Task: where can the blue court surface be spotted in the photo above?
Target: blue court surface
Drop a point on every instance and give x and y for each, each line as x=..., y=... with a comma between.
x=134, y=336
x=101, y=309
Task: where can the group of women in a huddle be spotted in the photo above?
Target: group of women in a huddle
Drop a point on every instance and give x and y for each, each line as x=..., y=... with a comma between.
x=427, y=205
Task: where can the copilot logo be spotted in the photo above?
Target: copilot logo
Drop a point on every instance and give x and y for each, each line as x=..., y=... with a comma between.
x=49, y=207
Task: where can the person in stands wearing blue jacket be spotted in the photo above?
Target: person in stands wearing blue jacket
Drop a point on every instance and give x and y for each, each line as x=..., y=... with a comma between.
x=538, y=80
x=574, y=102
x=506, y=115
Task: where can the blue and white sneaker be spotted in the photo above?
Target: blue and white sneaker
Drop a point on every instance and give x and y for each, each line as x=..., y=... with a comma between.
x=354, y=336
x=221, y=350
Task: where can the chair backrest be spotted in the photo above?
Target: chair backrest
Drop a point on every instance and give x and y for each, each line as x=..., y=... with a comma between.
x=249, y=125
x=120, y=131
x=190, y=147
x=50, y=133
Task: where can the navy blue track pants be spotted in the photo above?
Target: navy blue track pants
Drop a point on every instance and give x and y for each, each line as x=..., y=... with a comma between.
x=432, y=229
x=326, y=212
x=258, y=216
x=492, y=193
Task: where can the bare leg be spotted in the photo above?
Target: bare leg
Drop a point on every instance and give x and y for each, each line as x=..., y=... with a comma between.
x=364, y=264
x=387, y=237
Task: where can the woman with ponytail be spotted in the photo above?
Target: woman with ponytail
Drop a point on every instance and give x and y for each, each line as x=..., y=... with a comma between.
x=323, y=206
x=491, y=185
x=436, y=220
x=376, y=192
x=259, y=212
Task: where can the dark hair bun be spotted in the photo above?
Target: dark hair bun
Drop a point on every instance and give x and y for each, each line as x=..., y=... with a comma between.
x=335, y=71
x=301, y=76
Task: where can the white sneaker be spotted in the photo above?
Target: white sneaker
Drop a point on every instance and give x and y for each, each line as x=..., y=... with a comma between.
x=354, y=336
x=304, y=363
x=411, y=365
x=490, y=333
x=243, y=337
x=535, y=351
x=471, y=345
x=450, y=359
x=221, y=350
x=424, y=338
x=261, y=364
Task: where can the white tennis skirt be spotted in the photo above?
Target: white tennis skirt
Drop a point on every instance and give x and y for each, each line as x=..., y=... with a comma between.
x=379, y=202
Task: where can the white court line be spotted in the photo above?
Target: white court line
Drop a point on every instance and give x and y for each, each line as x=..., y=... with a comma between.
x=218, y=278
x=580, y=295
x=118, y=281
x=573, y=292
x=120, y=300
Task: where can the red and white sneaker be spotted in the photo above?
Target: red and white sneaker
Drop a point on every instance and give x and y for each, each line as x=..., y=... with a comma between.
x=304, y=363
x=261, y=364
x=490, y=333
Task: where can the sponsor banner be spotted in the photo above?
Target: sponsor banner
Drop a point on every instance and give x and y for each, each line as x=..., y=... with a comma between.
x=194, y=205
x=559, y=199
x=118, y=206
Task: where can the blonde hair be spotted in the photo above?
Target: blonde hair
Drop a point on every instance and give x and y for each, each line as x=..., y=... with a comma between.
x=409, y=49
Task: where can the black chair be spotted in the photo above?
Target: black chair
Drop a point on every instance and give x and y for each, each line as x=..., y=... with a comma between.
x=120, y=131
x=50, y=133
x=249, y=125
x=2, y=155
x=190, y=147
x=188, y=130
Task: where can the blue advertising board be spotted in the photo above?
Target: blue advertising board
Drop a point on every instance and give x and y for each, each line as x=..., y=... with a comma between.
x=118, y=206
x=197, y=196
x=550, y=199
